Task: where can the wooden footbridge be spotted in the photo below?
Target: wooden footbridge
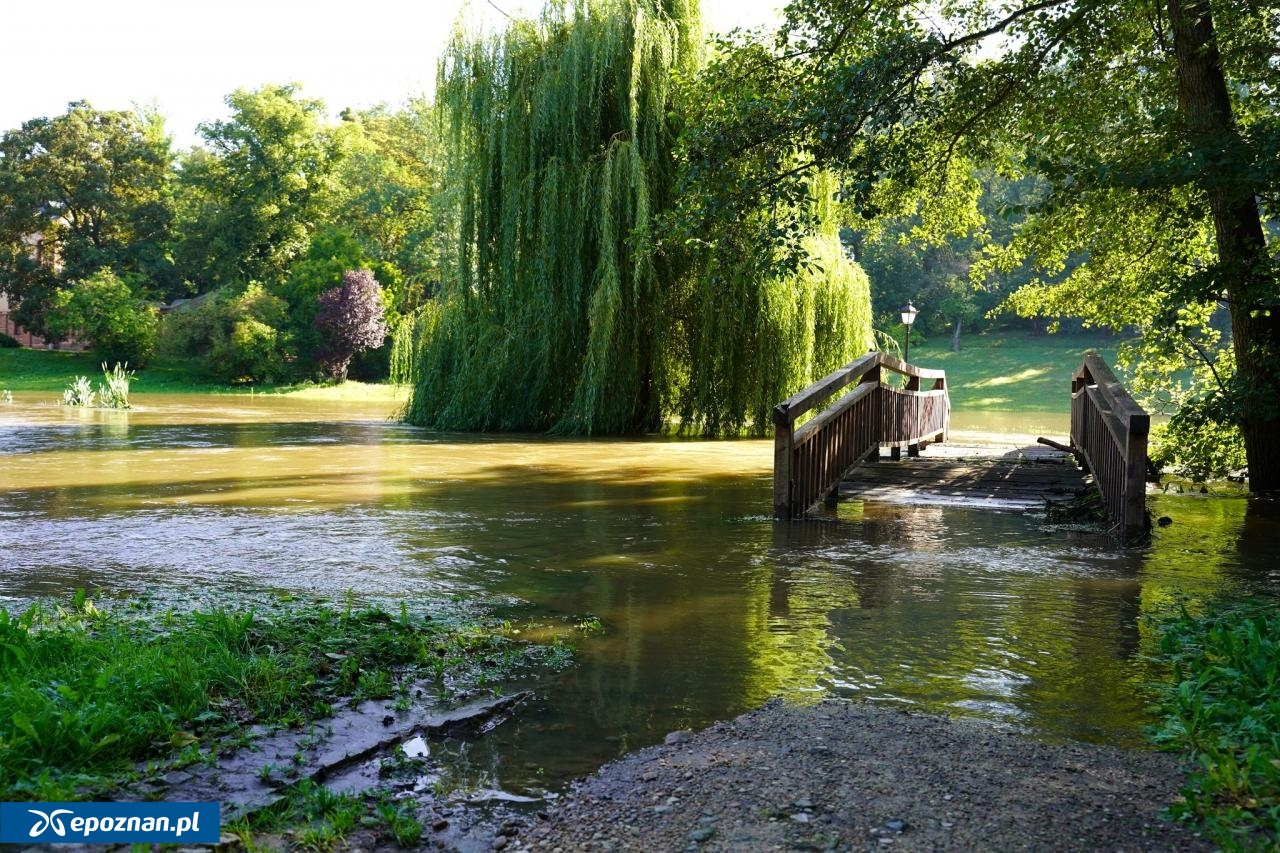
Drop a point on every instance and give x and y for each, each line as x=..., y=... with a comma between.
x=896, y=405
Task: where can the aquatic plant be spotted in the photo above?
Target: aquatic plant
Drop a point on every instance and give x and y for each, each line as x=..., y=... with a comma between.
x=1224, y=707
x=79, y=393
x=114, y=390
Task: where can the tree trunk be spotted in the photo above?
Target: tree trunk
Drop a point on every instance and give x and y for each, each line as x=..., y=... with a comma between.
x=1205, y=106
x=955, y=337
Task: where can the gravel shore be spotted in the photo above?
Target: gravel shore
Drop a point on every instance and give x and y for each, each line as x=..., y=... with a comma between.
x=847, y=776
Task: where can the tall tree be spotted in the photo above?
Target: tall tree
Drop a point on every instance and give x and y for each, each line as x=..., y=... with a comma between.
x=332, y=253
x=389, y=179
x=80, y=192
x=258, y=189
x=1154, y=128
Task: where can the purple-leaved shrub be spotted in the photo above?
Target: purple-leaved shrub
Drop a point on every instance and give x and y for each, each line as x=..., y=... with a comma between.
x=350, y=320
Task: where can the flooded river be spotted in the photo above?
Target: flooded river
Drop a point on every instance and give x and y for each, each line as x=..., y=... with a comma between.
x=708, y=607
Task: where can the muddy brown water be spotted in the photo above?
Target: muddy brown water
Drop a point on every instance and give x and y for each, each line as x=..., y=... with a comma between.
x=708, y=607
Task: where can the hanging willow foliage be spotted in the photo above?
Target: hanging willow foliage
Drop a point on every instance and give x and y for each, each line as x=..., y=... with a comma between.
x=560, y=154
x=752, y=341
x=554, y=314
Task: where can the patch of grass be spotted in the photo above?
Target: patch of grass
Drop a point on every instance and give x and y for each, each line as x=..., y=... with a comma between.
x=400, y=823
x=1011, y=371
x=320, y=819
x=1224, y=708
x=43, y=370
x=86, y=695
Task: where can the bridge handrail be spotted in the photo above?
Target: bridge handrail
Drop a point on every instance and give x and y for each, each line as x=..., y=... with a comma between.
x=1110, y=431
x=810, y=461
x=792, y=408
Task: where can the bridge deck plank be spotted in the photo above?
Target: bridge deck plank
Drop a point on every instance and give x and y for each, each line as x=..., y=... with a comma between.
x=992, y=476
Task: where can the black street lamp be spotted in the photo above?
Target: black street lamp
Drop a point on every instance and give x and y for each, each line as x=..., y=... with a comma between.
x=908, y=317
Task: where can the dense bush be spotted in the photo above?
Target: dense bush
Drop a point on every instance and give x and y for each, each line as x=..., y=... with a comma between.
x=7, y=342
x=1199, y=444
x=241, y=335
x=104, y=311
x=189, y=329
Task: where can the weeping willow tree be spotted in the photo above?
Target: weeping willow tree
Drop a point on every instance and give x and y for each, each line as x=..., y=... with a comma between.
x=560, y=141
x=557, y=313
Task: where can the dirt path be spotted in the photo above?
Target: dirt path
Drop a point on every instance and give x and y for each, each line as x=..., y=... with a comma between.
x=844, y=776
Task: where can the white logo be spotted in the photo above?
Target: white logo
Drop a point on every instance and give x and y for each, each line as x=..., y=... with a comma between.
x=49, y=820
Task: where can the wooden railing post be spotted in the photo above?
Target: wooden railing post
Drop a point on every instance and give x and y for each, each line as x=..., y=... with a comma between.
x=783, y=476
x=872, y=378
x=1137, y=431
x=913, y=384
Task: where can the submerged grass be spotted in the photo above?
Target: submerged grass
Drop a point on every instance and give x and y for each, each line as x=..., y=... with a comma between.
x=87, y=694
x=1224, y=708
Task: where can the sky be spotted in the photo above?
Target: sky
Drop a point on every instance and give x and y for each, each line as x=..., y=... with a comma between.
x=184, y=57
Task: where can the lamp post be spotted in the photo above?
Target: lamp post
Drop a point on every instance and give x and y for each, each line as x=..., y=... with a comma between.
x=908, y=317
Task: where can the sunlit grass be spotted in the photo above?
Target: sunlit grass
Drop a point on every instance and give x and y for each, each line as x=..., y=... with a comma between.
x=349, y=390
x=1025, y=376
x=1011, y=371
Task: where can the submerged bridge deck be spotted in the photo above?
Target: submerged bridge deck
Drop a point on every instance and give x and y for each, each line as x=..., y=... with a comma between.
x=979, y=470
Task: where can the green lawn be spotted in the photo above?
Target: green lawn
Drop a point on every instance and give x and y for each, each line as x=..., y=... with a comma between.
x=1011, y=371
x=54, y=370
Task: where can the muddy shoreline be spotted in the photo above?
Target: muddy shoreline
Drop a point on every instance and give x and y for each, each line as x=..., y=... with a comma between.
x=848, y=776
x=835, y=776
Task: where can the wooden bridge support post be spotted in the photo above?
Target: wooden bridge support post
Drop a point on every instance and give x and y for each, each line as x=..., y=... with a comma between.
x=783, y=476
x=872, y=377
x=1135, y=524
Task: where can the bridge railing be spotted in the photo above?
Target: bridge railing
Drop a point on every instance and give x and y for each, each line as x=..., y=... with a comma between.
x=810, y=461
x=1109, y=430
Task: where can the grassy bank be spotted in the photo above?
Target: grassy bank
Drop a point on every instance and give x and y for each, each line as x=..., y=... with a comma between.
x=1223, y=708
x=1004, y=371
x=54, y=370
x=87, y=696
